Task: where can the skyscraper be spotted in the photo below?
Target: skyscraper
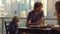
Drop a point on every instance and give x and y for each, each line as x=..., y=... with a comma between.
x=10, y=7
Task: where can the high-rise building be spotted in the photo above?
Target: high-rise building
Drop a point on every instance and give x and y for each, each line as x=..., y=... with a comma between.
x=2, y=9
x=10, y=7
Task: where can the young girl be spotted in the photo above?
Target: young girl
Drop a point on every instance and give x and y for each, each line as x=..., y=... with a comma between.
x=13, y=26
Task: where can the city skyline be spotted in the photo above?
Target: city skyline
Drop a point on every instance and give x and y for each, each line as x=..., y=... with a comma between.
x=10, y=6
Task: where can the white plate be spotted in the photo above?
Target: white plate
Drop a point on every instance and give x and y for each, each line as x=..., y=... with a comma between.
x=56, y=25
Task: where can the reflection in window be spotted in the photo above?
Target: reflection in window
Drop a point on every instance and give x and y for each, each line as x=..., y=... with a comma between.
x=32, y=4
x=13, y=1
x=22, y=1
x=23, y=14
x=24, y=7
x=18, y=0
x=44, y=7
x=0, y=7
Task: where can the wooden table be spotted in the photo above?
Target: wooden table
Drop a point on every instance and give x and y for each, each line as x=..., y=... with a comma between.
x=56, y=30
x=35, y=30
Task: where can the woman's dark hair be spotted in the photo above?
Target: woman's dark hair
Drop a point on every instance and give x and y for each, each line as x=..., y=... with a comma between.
x=38, y=4
x=57, y=6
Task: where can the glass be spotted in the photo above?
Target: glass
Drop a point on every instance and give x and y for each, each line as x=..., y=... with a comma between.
x=24, y=8
x=21, y=8
x=1, y=26
x=44, y=2
x=50, y=11
x=22, y=23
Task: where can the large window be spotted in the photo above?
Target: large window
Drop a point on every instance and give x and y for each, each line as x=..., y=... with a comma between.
x=50, y=12
x=21, y=8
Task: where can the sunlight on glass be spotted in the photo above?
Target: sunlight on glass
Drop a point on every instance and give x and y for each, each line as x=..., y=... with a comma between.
x=5, y=13
x=2, y=9
x=8, y=1
x=27, y=1
x=13, y=1
x=23, y=14
x=18, y=0
x=45, y=7
x=32, y=3
x=0, y=2
x=22, y=1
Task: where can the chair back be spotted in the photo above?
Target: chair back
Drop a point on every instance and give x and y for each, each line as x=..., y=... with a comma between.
x=6, y=26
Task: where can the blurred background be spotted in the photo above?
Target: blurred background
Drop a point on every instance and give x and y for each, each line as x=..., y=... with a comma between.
x=21, y=8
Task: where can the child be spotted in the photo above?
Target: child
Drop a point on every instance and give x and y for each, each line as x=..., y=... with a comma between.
x=13, y=26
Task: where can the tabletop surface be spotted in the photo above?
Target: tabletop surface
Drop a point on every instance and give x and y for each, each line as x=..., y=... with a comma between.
x=35, y=28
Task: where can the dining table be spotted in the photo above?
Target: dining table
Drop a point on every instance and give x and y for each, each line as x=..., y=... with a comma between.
x=39, y=30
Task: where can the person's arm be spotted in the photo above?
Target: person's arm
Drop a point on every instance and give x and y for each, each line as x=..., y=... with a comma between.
x=29, y=22
x=29, y=18
x=41, y=20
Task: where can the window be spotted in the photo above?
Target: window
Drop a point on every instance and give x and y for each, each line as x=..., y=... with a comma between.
x=21, y=8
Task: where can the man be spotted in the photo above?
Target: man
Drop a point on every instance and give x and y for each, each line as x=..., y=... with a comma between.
x=36, y=16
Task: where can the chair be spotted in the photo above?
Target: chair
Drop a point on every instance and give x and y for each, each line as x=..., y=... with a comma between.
x=6, y=26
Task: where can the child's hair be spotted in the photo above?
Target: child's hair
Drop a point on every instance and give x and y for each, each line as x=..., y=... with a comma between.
x=15, y=19
x=37, y=4
x=57, y=6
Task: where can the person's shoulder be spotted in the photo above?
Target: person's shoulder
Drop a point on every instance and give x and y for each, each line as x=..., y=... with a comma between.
x=42, y=11
x=31, y=12
x=15, y=24
x=12, y=22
